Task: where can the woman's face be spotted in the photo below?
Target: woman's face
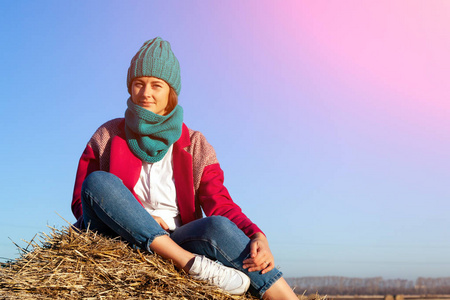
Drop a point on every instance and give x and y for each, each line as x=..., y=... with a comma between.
x=151, y=93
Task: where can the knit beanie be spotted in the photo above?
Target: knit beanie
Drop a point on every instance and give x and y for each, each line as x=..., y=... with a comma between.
x=155, y=58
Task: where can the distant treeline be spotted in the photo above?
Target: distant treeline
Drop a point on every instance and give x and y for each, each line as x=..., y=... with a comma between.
x=336, y=285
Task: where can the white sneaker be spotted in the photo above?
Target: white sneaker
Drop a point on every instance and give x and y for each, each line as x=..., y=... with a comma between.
x=228, y=279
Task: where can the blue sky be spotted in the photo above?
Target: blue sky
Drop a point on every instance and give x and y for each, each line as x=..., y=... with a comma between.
x=330, y=119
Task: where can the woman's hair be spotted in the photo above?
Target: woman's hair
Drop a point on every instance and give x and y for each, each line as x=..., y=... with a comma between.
x=173, y=100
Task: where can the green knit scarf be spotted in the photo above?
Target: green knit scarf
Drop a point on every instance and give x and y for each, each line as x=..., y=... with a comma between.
x=150, y=135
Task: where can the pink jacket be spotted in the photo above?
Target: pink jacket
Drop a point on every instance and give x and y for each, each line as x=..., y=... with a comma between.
x=197, y=173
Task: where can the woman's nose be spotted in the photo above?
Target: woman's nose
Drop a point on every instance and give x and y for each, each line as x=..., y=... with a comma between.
x=147, y=91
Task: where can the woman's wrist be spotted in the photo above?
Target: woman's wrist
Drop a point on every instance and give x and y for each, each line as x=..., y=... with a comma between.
x=258, y=235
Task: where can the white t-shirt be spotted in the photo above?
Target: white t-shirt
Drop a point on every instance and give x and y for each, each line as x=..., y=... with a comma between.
x=156, y=190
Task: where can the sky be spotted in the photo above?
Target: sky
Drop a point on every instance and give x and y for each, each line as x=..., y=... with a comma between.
x=330, y=119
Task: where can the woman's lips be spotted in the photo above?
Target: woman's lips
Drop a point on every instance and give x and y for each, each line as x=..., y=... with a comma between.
x=147, y=103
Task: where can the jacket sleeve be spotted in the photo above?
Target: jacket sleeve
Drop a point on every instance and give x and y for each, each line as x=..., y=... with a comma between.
x=93, y=159
x=215, y=200
x=88, y=163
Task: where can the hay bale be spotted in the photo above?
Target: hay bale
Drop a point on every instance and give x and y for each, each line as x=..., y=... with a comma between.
x=388, y=297
x=315, y=296
x=69, y=264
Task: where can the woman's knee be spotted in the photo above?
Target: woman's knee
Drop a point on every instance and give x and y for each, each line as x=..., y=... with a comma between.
x=221, y=225
x=97, y=179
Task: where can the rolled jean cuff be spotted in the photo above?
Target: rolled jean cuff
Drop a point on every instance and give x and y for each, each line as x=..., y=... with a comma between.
x=152, y=238
x=263, y=289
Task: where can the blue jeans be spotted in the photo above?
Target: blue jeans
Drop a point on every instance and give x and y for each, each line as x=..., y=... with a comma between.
x=110, y=208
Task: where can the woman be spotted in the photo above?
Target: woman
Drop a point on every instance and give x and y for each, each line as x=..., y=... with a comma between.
x=148, y=177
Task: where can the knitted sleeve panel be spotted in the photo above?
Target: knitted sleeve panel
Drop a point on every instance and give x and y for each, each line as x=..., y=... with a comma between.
x=100, y=141
x=203, y=155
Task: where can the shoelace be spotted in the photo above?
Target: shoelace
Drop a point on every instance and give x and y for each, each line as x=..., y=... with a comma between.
x=216, y=275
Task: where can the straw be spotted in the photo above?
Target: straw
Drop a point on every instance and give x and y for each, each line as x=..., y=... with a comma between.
x=73, y=264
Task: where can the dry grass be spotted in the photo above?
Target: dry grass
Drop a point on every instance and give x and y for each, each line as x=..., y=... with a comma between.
x=69, y=264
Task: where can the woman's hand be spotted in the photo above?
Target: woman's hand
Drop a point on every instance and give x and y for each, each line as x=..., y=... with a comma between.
x=261, y=258
x=161, y=223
